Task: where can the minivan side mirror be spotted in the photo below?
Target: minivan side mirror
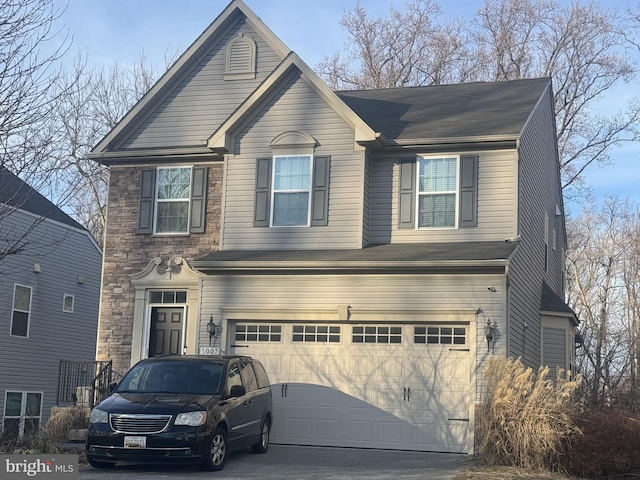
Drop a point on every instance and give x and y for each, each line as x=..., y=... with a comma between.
x=111, y=387
x=237, y=391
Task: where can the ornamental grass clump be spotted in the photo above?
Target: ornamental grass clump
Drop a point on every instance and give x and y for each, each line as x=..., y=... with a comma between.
x=524, y=419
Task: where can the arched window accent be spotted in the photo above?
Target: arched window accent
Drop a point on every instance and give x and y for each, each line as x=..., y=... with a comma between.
x=240, y=58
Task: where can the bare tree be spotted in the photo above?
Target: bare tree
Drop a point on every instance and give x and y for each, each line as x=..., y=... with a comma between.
x=29, y=92
x=406, y=49
x=603, y=266
x=98, y=98
x=583, y=48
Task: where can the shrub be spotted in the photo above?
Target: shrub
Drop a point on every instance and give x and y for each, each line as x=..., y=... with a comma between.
x=48, y=439
x=609, y=445
x=524, y=419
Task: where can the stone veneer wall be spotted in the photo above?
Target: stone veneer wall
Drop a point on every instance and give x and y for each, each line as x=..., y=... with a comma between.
x=126, y=252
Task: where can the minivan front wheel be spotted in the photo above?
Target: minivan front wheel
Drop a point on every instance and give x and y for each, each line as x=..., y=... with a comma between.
x=262, y=445
x=218, y=451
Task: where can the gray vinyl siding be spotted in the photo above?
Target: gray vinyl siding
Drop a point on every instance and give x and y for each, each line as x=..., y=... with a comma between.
x=497, y=193
x=63, y=253
x=202, y=100
x=539, y=193
x=554, y=354
x=296, y=106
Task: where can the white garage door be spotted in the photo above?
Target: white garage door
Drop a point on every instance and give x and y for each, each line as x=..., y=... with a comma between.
x=402, y=387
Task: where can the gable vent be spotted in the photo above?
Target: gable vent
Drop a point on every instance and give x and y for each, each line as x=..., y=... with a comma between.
x=240, y=58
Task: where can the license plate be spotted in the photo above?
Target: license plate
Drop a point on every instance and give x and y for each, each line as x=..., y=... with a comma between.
x=135, y=442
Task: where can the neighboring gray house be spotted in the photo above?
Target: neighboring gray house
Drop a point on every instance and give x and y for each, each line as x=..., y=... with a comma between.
x=49, y=301
x=372, y=248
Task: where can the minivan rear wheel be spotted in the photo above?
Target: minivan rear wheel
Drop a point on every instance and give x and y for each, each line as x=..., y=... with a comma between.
x=217, y=452
x=262, y=445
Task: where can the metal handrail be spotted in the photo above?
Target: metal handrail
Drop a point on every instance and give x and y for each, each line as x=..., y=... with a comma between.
x=83, y=383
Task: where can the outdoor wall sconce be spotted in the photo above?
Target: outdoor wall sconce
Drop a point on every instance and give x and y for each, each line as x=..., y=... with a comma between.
x=488, y=333
x=211, y=329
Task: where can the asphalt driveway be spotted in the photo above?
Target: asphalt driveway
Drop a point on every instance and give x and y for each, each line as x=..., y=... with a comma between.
x=310, y=463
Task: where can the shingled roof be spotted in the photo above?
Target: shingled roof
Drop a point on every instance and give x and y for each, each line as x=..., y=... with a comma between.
x=478, y=254
x=18, y=194
x=469, y=110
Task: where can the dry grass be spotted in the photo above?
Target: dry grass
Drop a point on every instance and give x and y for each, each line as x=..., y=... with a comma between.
x=50, y=438
x=505, y=473
x=524, y=419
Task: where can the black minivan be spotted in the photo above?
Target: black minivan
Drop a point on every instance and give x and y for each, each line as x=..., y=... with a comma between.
x=191, y=409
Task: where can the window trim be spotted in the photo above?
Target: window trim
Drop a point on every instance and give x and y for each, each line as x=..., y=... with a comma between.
x=158, y=201
x=308, y=190
x=64, y=302
x=455, y=193
x=14, y=310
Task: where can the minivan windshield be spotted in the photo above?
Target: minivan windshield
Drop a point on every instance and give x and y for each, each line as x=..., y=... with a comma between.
x=165, y=376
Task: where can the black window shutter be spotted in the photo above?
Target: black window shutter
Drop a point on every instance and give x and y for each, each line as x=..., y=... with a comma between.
x=263, y=192
x=198, y=199
x=320, y=192
x=468, y=191
x=147, y=200
x=407, y=193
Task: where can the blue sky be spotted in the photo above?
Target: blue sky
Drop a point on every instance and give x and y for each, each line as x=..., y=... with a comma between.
x=110, y=30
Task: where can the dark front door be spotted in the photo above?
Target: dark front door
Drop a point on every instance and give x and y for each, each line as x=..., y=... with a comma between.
x=166, y=331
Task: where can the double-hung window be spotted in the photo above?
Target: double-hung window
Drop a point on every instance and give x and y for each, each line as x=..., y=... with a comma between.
x=291, y=190
x=437, y=191
x=172, y=200
x=21, y=311
x=173, y=195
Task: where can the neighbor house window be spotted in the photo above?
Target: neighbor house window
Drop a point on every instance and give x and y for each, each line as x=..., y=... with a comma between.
x=172, y=200
x=291, y=190
x=21, y=311
x=438, y=191
x=67, y=304
x=22, y=413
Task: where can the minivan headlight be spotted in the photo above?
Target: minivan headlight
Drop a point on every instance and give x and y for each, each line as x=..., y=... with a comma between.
x=193, y=419
x=98, y=416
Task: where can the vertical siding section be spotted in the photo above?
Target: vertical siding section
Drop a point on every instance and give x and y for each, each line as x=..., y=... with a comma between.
x=539, y=193
x=497, y=193
x=64, y=254
x=296, y=106
x=202, y=100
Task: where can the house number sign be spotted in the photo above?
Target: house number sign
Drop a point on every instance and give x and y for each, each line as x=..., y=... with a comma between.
x=209, y=350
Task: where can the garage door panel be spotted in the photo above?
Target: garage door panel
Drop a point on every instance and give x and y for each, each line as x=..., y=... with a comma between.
x=373, y=394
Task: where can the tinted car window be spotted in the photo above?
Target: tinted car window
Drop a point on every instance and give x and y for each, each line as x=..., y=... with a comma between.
x=173, y=377
x=263, y=380
x=248, y=377
x=233, y=377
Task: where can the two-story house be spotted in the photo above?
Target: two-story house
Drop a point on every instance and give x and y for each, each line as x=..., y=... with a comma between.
x=50, y=272
x=372, y=248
